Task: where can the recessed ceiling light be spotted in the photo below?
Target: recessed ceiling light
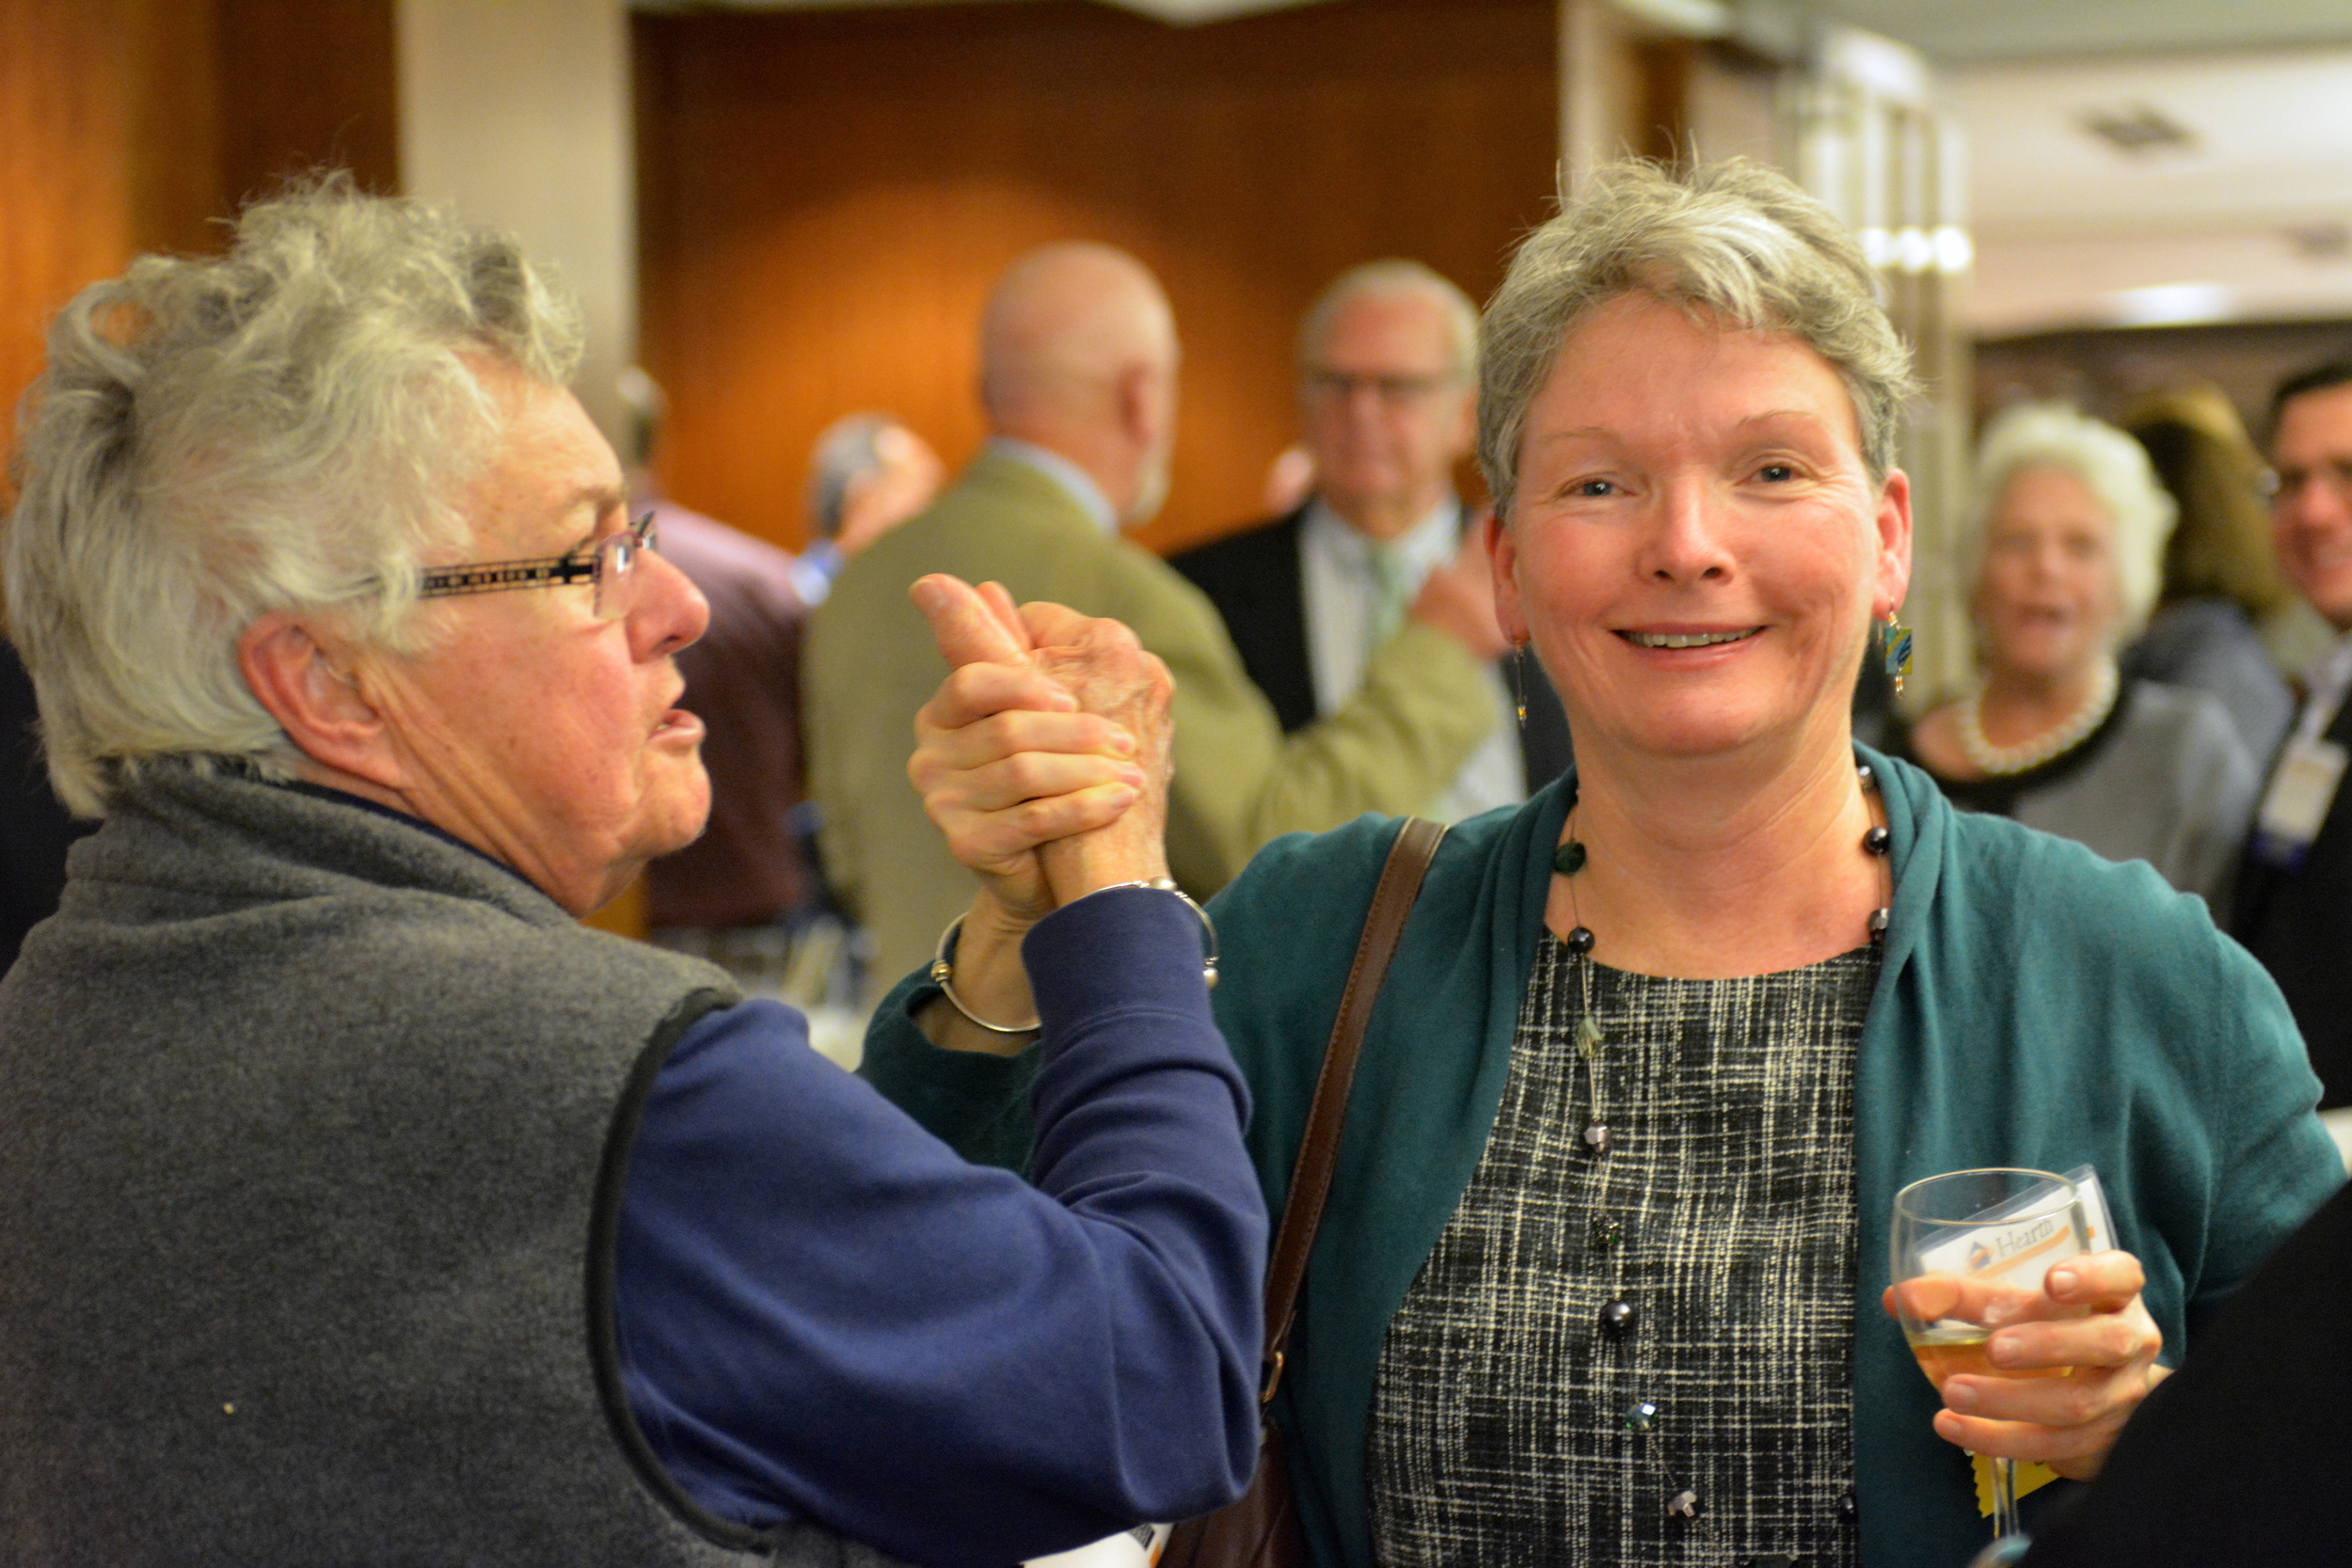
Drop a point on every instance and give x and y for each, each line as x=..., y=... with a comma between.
x=2138, y=129
x=2321, y=241
x=2171, y=304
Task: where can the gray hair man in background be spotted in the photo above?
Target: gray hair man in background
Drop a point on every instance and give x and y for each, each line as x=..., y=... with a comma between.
x=867, y=474
x=1388, y=373
x=1078, y=382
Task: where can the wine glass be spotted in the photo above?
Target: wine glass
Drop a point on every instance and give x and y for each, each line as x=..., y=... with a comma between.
x=1966, y=1236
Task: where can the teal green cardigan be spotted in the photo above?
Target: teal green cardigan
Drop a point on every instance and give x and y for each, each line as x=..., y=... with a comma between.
x=2036, y=1007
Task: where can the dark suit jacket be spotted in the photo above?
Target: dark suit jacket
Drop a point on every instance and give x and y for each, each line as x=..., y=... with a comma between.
x=2242, y=1458
x=1255, y=580
x=34, y=831
x=2299, y=924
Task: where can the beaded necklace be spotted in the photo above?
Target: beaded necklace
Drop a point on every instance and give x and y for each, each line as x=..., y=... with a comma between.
x=1569, y=859
x=1618, y=1317
x=1999, y=761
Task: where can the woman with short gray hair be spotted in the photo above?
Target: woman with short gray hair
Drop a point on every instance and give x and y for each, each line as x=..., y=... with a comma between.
x=2065, y=556
x=1599, y=1280
x=362, y=1206
x=1735, y=240
x=294, y=441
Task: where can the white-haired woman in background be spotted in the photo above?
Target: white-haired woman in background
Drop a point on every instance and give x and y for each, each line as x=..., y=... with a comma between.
x=2069, y=550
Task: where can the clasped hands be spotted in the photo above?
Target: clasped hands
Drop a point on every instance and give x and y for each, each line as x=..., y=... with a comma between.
x=1044, y=759
x=2089, y=1317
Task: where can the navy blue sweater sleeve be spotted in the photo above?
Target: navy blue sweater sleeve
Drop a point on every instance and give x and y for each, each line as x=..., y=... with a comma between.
x=825, y=1313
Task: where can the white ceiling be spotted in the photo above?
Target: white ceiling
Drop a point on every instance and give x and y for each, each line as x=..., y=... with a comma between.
x=2257, y=209
x=2071, y=230
x=1977, y=30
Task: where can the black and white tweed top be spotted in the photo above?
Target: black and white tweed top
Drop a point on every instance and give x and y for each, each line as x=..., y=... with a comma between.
x=1507, y=1423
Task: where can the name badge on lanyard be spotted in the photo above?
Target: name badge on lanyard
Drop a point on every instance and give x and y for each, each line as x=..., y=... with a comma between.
x=2302, y=787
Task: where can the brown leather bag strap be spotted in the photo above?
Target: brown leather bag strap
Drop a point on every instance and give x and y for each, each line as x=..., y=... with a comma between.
x=1392, y=901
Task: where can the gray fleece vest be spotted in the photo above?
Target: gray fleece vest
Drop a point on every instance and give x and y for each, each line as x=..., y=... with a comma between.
x=311, y=1133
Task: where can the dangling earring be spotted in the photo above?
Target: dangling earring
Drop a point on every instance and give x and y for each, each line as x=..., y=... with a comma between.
x=1894, y=640
x=1519, y=680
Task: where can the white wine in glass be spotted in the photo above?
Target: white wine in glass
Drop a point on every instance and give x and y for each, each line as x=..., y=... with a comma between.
x=1957, y=1238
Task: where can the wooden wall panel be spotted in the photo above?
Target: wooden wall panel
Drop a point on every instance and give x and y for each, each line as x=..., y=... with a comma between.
x=129, y=125
x=309, y=83
x=825, y=199
x=66, y=212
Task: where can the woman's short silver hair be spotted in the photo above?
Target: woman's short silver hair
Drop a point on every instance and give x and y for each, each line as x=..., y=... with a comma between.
x=1733, y=240
x=2111, y=464
x=284, y=427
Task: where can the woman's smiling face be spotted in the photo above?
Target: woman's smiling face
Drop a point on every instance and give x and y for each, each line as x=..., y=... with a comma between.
x=1696, y=547
x=2047, y=601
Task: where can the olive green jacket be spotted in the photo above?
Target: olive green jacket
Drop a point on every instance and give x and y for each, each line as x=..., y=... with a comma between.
x=2036, y=1006
x=1424, y=706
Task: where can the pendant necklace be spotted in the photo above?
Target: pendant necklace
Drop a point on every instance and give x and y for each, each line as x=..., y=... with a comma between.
x=1569, y=859
x=1618, y=1318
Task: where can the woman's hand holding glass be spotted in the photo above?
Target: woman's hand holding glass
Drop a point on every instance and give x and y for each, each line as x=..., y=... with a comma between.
x=2034, y=1366
x=2087, y=1322
x=1044, y=759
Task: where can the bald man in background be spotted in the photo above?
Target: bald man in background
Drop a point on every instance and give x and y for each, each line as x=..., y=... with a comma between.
x=1078, y=382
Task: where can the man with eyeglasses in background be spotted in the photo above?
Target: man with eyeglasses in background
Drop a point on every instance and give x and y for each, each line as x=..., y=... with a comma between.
x=1078, y=377
x=2294, y=887
x=1388, y=362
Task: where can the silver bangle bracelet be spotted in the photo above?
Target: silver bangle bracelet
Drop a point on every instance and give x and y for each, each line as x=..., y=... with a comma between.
x=944, y=968
x=1164, y=884
x=943, y=973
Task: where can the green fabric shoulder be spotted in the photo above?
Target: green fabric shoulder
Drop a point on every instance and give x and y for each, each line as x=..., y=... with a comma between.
x=2043, y=1007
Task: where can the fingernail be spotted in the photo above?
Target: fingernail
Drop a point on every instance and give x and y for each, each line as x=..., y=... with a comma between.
x=1059, y=701
x=1959, y=1396
x=1131, y=777
x=1123, y=743
x=2062, y=1279
x=926, y=594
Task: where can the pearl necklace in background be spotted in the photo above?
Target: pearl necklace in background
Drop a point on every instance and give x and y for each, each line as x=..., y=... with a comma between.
x=1995, y=761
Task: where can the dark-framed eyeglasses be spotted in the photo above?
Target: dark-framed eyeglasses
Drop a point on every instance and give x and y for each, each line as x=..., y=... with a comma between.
x=1395, y=391
x=610, y=564
x=2282, y=489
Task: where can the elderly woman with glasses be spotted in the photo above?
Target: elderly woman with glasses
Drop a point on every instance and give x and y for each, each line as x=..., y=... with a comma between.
x=2068, y=544
x=363, y=1207
x=1602, y=1276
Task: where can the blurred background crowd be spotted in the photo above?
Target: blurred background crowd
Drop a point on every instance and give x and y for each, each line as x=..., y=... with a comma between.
x=1169, y=310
